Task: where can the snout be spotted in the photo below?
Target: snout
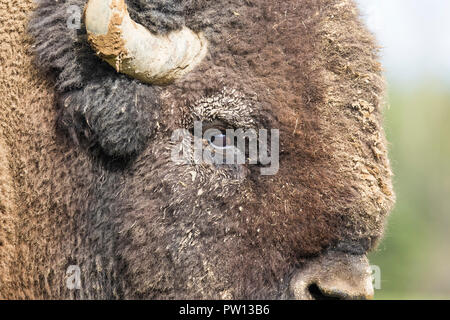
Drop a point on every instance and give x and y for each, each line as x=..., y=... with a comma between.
x=335, y=275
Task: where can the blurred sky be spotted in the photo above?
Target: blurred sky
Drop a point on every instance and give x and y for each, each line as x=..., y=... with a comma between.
x=414, y=35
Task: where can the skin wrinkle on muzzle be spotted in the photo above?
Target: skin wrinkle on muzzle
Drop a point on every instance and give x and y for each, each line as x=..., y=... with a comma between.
x=91, y=185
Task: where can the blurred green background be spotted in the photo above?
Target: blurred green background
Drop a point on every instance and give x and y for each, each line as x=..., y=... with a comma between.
x=414, y=256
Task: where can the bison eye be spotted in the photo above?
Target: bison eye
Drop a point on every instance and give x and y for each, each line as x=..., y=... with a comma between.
x=220, y=141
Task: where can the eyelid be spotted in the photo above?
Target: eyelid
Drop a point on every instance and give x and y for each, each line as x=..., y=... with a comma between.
x=216, y=124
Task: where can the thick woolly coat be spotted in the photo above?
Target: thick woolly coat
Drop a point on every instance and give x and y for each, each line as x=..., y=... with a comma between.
x=86, y=177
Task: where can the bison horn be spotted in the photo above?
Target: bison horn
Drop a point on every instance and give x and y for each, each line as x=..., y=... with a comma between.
x=133, y=50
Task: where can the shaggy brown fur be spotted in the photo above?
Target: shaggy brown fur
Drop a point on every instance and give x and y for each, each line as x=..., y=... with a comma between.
x=149, y=228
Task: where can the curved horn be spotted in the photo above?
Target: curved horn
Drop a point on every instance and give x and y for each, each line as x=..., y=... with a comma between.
x=131, y=49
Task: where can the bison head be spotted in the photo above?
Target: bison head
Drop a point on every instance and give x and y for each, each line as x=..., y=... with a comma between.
x=141, y=225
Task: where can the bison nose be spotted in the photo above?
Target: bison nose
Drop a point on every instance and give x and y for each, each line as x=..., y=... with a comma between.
x=335, y=275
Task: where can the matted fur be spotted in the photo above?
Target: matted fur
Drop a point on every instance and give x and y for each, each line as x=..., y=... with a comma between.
x=148, y=228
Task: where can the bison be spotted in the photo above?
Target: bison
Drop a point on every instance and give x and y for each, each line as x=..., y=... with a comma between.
x=88, y=183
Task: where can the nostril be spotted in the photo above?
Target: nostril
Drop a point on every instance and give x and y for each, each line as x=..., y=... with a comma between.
x=333, y=276
x=317, y=294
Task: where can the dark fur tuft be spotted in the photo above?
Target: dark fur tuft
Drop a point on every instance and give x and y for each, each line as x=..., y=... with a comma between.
x=158, y=16
x=105, y=115
x=96, y=103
